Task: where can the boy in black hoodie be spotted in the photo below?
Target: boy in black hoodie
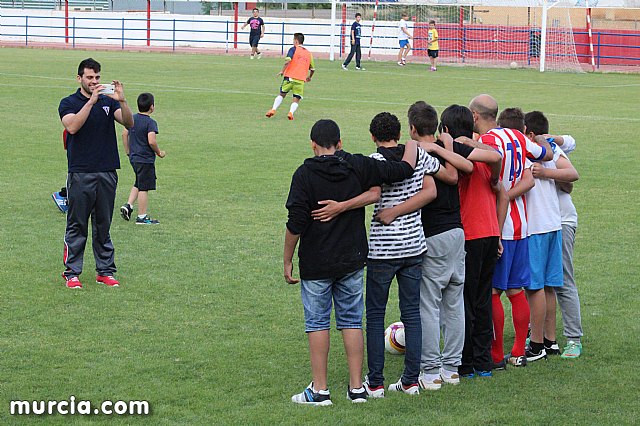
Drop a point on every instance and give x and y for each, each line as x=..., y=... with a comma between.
x=332, y=254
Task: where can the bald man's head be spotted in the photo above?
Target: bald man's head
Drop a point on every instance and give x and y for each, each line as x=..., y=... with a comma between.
x=485, y=106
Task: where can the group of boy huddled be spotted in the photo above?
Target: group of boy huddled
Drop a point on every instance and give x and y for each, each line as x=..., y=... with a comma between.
x=481, y=209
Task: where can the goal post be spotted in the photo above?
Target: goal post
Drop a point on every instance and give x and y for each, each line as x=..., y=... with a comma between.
x=487, y=33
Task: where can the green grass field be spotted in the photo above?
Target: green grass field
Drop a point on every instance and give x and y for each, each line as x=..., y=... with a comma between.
x=204, y=326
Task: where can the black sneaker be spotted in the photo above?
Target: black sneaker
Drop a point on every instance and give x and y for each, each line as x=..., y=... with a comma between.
x=534, y=356
x=312, y=397
x=125, y=212
x=146, y=221
x=357, y=395
x=500, y=366
x=552, y=349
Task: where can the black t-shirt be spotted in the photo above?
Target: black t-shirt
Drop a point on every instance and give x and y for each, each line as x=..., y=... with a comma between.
x=255, y=24
x=94, y=148
x=357, y=30
x=443, y=213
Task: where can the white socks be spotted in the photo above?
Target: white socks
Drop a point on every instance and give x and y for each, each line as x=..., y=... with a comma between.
x=294, y=107
x=277, y=102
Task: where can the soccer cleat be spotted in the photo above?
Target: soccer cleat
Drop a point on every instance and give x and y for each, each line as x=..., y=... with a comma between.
x=259, y=55
x=413, y=389
x=344, y=67
x=534, y=356
x=434, y=69
x=108, y=280
x=373, y=391
x=401, y=63
x=429, y=381
x=146, y=221
x=499, y=366
x=572, y=350
x=61, y=202
x=312, y=397
x=470, y=375
x=270, y=113
x=451, y=377
x=360, y=68
x=404, y=61
x=357, y=396
x=251, y=56
x=290, y=116
x=516, y=361
x=554, y=349
x=125, y=211
x=72, y=282
x=484, y=373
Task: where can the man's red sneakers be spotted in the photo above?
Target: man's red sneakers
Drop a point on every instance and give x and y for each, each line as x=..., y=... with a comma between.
x=107, y=280
x=72, y=282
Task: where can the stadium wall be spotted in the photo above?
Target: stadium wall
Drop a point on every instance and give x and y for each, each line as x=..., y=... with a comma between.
x=614, y=47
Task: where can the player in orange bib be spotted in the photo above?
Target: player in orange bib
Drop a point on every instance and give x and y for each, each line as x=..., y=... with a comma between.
x=298, y=69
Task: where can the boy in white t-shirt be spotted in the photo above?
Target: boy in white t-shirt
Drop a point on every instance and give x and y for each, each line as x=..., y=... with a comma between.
x=545, y=241
x=403, y=39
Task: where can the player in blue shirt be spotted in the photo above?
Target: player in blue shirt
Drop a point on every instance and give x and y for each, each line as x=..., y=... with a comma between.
x=356, y=35
x=257, y=32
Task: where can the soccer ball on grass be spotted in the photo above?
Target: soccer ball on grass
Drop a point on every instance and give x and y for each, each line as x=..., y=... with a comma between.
x=394, y=338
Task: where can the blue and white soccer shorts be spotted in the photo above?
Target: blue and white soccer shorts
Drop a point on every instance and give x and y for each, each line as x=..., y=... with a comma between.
x=512, y=269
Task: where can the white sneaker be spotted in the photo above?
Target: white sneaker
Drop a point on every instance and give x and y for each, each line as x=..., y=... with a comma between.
x=451, y=377
x=413, y=389
x=251, y=56
x=360, y=69
x=430, y=381
x=344, y=67
x=376, y=392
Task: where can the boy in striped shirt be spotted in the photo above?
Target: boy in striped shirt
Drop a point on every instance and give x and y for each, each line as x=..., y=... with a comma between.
x=396, y=245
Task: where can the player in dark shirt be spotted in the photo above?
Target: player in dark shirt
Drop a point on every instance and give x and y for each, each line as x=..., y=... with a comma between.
x=257, y=32
x=356, y=34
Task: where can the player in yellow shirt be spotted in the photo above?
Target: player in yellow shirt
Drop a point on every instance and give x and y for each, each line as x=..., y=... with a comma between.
x=433, y=47
x=298, y=63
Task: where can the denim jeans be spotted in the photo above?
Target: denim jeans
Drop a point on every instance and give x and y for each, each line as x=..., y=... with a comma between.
x=380, y=273
x=346, y=293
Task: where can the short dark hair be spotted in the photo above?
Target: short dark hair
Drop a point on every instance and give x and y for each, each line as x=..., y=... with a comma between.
x=458, y=121
x=325, y=133
x=358, y=14
x=385, y=127
x=88, y=63
x=255, y=9
x=511, y=118
x=145, y=100
x=423, y=117
x=432, y=22
x=299, y=37
x=536, y=122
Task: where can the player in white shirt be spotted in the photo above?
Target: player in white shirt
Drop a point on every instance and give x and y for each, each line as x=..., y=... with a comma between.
x=545, y=241
x=403, y=39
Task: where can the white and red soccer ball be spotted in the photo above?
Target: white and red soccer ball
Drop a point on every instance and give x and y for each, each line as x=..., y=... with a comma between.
x=394, y=338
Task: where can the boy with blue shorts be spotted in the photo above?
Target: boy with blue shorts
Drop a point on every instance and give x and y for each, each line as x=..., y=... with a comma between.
x=333, y=253
x=545, y=241
x=403, y=39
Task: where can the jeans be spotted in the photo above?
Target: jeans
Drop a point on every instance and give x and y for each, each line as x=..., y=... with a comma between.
x=380, y=273
x=346, y=293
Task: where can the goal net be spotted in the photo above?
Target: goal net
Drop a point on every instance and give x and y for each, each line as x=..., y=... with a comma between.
x=488, y=33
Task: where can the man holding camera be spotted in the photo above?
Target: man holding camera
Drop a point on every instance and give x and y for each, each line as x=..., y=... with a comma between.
x=88, y=115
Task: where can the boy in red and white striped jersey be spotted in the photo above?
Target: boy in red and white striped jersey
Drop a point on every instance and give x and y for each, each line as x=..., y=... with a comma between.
x=512, y=271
